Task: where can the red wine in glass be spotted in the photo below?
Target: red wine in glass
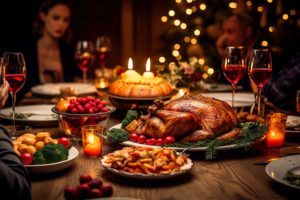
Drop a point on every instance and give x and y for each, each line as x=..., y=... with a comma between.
x=16, y=81
x=259, y=71
x=103, y=56
x=233, y=66
x=84, y=56
x=234, y=73
x=103, y=52
x=14, y=71
x=260, y=76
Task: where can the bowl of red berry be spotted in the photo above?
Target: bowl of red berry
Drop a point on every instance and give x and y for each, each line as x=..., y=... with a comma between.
x=75, y=112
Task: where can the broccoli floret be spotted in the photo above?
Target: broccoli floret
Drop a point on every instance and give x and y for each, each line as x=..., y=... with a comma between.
x=131, y=115
x=38, y=158
x=55, y=153
x=117, y=135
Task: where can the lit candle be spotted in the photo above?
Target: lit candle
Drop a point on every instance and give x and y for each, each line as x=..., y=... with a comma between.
x=92, y=146
x=276, y=123
x=101, y=83
x=130, y=73
x=148, y=74
x=274, y=139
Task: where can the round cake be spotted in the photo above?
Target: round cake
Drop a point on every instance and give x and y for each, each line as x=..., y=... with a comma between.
x=140, y=88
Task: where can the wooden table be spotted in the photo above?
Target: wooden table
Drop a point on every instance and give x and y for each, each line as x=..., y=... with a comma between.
x=231, y=176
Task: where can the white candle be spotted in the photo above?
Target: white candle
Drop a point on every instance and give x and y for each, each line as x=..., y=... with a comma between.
x=130, y=73
x=148, y=74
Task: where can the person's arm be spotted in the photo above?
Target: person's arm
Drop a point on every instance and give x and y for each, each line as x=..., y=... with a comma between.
x=3, y=93
x=278, y=88
x=14, y=179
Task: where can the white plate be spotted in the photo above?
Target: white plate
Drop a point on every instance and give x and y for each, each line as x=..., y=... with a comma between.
x=194, y=149
x=53, y=89
x=241, y=99
x=292, y=121
x=38, y=115
x=54, y=167
x=218, y=87
x=187, y=167
x=278, y=168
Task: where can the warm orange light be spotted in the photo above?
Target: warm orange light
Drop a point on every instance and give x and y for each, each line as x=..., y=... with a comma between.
x=130, y=64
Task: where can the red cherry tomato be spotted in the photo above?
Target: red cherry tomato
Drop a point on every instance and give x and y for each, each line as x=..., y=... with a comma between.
x=27, y=158
x=148, y=142
x=141, y=139
x=159, y=142
x=169, y=140
x=64, y=141
x=133, y=137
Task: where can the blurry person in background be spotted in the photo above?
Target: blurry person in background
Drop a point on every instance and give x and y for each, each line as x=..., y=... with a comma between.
x=238, y=29
x=50, y=56
x=14, y=179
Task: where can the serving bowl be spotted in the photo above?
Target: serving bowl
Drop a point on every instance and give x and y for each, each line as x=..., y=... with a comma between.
x=71, y=123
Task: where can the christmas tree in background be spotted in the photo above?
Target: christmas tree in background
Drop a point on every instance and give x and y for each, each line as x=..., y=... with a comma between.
x=193, y=26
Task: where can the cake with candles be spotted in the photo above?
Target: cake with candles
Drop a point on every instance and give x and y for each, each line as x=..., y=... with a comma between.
x=133, y=84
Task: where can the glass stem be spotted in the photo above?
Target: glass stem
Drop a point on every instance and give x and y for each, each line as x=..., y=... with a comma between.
x=84, y=77
x=259, y=102
x=13, y=97
x=233, y=91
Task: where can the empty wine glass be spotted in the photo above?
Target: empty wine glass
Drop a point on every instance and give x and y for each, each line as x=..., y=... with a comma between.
x=233, y=66
x=103, y=51
x=260, y=70
x=14, y=71
x=84, y=56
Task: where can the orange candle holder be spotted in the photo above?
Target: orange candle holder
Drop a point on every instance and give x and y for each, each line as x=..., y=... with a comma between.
x=101, y=83
x=92, y=141
x=276, y=123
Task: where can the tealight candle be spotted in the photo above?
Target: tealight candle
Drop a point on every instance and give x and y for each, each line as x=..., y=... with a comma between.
x=276, y=123
x=148, y=74
x=101, y=83
x=91, y=140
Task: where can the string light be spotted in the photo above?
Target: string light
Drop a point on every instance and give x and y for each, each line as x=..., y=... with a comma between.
x=264, y=43
x=189, y=1
x=188, y=11
x=171, y=13
x=271, y=29
x=178, y=57
x=194, y=8
x=232, y=5
x=269, y=1
x=177, y=22
x=177, y=46
x=285, y=16
x=201, y=61
x=292, y=12
x=197, y=32
x=249, y=3
x=202, y=6
x=210, y=71
x=178, y=1
x=187, y=39
x=162, y=59
x=260, y=8
x=164, y=19
x=175, y=53
x=183, y=26
x=204, y=76
x=193, y=41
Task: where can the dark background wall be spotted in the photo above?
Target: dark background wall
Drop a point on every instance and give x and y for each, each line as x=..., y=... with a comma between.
x=133, y=25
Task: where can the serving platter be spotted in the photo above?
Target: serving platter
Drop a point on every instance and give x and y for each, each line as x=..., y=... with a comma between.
x=33, y=115
x=54, y=167
x=277, y=169
x=192, y=149
x=185, y=168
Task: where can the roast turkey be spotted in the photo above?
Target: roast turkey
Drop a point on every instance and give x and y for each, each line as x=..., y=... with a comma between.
x=190, y=118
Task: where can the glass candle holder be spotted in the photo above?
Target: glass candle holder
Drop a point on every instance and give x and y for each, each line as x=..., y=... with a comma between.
x=276, y=123
x=92, y=141
x=101, y=83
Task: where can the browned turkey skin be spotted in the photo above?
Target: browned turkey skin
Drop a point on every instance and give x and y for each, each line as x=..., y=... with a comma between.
x=191, y=118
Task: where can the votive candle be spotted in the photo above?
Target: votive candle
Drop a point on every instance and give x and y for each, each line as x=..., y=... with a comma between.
x=91, y=140
x=276, y=123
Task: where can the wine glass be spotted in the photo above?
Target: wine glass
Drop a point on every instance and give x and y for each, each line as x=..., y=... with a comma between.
x=84, y=56
x=233, y=66
x=260, y=70
x=103, y=51
x=14, y=71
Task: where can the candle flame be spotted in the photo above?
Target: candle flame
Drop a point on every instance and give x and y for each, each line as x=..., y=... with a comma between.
x=181, y=92
x=273, y=133
x=148, y=65
x=91, y=138
x=130, y=64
